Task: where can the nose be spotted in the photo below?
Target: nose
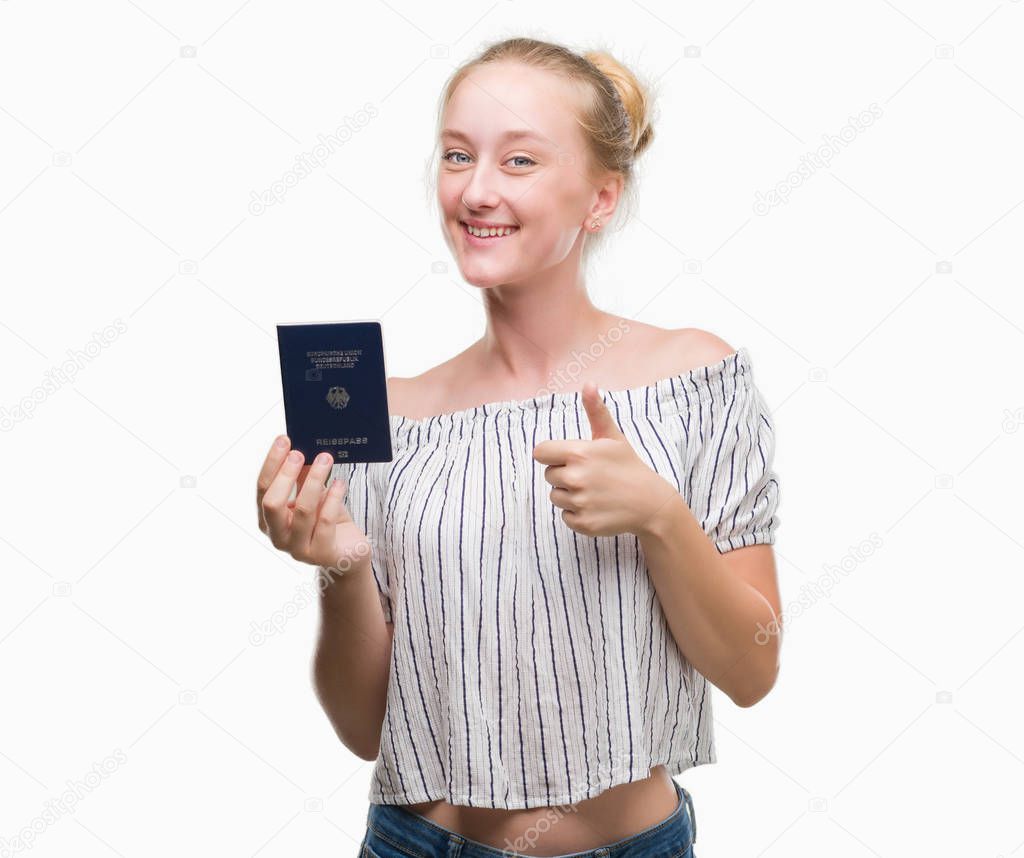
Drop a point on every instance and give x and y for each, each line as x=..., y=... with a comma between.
x=481, y=189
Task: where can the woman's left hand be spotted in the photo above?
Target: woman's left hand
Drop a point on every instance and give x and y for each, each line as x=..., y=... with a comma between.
x=602, y=485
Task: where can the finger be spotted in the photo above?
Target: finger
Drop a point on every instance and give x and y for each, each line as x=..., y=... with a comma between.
x=301, y=481
x=602, y=424
x=271, y=465
x=332, y=512
x=559, y=475
x=572, y=520
x=307, y=502
x=275, y=499
x=557, y=452
x=563, y=499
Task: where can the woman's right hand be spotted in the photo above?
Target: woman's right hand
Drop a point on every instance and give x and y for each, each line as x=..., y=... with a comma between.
x=316, y=527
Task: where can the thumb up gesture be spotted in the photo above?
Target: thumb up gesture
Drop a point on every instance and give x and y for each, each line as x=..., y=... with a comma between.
x=601, y=485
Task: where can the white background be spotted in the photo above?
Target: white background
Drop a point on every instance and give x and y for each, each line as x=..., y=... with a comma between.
x=881, y=306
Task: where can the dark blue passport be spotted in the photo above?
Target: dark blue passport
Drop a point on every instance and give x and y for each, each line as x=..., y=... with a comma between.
x=335, y=390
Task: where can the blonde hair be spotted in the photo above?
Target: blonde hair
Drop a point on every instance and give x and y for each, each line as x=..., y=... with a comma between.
x=614, y=111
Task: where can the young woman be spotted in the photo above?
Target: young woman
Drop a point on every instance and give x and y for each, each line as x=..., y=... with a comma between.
x=523, y=610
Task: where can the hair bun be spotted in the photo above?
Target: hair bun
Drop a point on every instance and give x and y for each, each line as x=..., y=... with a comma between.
x=634, y=95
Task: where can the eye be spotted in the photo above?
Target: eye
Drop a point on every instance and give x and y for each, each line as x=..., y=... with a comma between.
x=452, y=152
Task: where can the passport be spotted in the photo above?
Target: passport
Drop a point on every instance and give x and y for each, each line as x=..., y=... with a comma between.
x=335, y=390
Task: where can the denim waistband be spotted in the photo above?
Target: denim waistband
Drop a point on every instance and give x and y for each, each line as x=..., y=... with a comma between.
x=418, y=836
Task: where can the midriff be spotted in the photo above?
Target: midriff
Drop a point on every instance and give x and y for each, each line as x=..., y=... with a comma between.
x=617, y=813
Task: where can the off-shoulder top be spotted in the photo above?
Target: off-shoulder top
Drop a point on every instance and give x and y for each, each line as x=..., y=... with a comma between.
x=531, y=665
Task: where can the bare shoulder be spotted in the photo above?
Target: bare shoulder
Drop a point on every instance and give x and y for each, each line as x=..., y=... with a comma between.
x=397, y=386
x=701, y=347
x=678, y=350
x=403, y=393
x=650, y=352
x=418, y=395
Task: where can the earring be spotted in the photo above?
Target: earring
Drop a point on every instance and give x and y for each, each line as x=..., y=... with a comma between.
x=595, y=223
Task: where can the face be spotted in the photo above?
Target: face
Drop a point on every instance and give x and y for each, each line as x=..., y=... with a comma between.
x=489, y=174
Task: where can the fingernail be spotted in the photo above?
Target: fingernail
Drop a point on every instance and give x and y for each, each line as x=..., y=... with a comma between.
x=323, y=458
x=295, y=457
x=282, y=441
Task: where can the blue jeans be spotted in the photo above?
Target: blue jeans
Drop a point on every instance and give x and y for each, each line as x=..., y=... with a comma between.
x=394, y=832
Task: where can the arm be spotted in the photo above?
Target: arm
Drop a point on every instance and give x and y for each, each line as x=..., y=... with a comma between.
x=353, y=658
x=719, y=599
x=718, y=606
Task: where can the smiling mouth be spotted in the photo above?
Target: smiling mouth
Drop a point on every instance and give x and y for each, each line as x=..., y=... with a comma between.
x=487, y=239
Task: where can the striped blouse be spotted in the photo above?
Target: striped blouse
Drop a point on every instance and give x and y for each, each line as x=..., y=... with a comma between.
x=531, y=665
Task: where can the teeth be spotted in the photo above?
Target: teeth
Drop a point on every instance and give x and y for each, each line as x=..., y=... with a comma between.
x=492, y=231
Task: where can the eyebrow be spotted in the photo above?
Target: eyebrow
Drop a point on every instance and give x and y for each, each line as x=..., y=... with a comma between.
x=512, y=134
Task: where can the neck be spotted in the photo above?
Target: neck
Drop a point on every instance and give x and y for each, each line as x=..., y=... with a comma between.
x=543, y=332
